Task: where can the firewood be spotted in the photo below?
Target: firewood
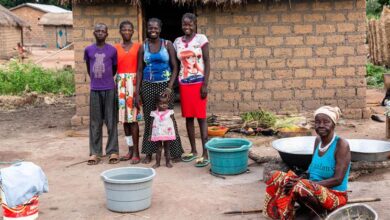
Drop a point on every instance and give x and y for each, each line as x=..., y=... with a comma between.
x=365, y=165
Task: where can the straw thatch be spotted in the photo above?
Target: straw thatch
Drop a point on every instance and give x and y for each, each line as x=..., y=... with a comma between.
x=8, y=18
x=57, y=19
x=180, y=2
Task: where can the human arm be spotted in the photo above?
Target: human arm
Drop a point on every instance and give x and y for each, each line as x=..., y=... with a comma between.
x=174, y=67
x=206, y=60
x=86, y=58
x=343, y=159
x=138, y=77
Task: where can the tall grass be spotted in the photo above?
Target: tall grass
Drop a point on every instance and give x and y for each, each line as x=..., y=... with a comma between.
x=15, y=78
x=374, y=75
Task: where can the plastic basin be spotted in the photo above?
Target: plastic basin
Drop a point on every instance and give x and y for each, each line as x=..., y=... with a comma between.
x=228, y=156
x=128, y=189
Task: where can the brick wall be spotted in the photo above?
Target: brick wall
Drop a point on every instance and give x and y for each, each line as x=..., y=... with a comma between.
x=84, y=18
x=9, y=37
x=287, y=59
x=50, y=39
x=31, y=16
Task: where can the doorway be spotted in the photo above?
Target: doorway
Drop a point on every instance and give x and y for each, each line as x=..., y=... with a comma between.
x=169, y=13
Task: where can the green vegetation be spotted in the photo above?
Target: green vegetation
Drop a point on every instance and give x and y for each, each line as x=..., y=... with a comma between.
x=374, y=8
x=15, y=78
x=375, y=75
x=262, y=118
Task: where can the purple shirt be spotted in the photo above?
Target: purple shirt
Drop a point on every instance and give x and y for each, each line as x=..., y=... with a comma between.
x=101, y=61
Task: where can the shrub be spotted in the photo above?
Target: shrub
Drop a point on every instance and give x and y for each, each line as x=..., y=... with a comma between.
x=374, y=75
x=15, y=78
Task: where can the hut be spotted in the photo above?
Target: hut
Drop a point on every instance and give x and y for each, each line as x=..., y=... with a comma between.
x=57, y=28
x=284, y=55
x=10, y=33
x=32, y=13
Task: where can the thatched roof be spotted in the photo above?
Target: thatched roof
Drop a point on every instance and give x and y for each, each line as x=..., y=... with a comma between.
x=57, y=19
x=8, y=18
x=138, y=2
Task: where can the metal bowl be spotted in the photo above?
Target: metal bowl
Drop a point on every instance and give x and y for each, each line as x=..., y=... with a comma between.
x=295, y=151
x=369, y=150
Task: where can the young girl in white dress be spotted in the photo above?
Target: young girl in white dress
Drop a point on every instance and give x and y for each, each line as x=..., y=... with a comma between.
x=163, y=130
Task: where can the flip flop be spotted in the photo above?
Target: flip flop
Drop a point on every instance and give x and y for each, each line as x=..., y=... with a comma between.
x=127, y=157
x=93, y=160
x=201, y=162
x=113, y=159
x=135, y=160
x=188, y=157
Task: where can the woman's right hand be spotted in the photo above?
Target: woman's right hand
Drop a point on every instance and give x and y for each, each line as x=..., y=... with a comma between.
x=136, y=101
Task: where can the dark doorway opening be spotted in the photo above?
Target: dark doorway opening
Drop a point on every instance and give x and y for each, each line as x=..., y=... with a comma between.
x=169, y=13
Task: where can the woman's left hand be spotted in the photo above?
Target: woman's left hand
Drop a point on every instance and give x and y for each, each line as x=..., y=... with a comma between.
x=167, y=92
x=203, y=91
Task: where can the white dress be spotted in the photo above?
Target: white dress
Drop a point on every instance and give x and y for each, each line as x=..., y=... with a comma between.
x=162, y=128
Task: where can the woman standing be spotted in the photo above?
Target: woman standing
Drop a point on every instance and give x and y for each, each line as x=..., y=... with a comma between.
x=157, y=70
x=126, y=79
x=193, y=53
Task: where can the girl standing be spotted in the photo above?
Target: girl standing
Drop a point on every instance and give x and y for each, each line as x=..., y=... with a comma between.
x=193, y=53
x=126, y=79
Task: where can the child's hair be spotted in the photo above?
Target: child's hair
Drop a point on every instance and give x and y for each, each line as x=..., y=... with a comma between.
x=126, y=22
x=160, y=98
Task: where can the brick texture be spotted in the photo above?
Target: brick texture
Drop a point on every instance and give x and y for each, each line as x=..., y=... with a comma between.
x=9, y=37
x=269, y=56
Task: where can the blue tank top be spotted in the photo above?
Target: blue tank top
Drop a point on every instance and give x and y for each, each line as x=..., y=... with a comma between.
x=157, y=68
x=322, y=168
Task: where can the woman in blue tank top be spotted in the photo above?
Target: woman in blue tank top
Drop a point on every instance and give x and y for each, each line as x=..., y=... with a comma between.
x=326, y=187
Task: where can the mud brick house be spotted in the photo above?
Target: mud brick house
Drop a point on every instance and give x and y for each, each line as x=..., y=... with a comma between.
x=279, y=55
x=32, y=14
x=57, y=28
x=10, y=33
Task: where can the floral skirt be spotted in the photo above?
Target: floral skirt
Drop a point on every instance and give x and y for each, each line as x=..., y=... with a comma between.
x=126, y=86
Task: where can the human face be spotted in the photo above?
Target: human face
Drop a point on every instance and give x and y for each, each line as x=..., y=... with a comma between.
x=127, y=32
x=188, y=26
x=100, y=33
x=153, y=30
x=323, y=125
x=163, y=104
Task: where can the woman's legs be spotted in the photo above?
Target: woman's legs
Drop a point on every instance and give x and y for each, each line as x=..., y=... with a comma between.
x=191, y=134
x=203, y=135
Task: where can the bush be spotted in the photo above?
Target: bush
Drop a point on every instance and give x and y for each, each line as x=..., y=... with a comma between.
x=15, y=78
x=374, y=75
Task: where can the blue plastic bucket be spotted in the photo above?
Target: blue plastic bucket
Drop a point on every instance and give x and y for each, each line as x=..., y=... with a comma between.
x=228, y=156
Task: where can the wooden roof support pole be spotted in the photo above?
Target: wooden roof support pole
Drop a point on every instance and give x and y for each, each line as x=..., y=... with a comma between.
x=140, y=23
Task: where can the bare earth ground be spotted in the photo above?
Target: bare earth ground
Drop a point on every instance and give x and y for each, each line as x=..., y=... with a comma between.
x=43, y=135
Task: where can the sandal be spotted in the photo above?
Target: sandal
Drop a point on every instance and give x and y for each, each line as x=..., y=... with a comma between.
x=127, y=157
x=113, y=159
x=201, y=162
x=135, y=160
x=93, y=160
x=188, y=157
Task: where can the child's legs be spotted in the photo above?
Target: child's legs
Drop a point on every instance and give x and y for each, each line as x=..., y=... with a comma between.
x=95, y=123
x=158, y=152
x=110, y=119
x=167, y=154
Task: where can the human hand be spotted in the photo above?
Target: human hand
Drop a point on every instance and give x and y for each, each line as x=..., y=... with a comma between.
x=203, y=91
x=291, y=182
x=136, y=101
x=167, y=92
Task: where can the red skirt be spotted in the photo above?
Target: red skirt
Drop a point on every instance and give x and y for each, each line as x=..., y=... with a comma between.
x=192, y=105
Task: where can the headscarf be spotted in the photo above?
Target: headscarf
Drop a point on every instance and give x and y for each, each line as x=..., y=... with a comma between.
x=332, y=112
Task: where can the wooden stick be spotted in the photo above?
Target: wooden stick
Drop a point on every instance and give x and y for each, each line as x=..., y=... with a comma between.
x=363, y=200
x=77, y=163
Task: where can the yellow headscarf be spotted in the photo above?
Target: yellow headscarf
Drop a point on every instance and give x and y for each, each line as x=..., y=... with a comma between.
x=334, y=113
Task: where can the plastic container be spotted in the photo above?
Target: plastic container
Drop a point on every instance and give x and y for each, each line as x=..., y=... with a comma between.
x=27, y=211
x=217, y=131
x=228, y=156
x=128, y=189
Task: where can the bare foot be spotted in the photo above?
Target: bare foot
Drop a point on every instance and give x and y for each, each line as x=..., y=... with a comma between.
x=156, y=165
x=147, y=159
x=176, y=160
x=169, y=165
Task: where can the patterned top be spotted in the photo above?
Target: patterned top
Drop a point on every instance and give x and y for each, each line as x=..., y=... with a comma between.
x=157, y=68
x=191, y=58
x=162, y=129
x=101, y=61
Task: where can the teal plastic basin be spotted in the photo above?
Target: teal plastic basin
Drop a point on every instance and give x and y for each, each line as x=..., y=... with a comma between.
x=228, y=156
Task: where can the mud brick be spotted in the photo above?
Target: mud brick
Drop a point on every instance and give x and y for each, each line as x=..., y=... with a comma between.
x=273, y=41
x=280, y=30
x=353, y=113
x=335, y=82
x=223, y=20
x=231, y=53
x=268, y=18
x=348, y=93
x=345, y=71
x=303, y=52
x=241, y=19
x=273, y=84
x=230, y=96
x=324, y=51
x=283, y=74
x=346, y=27
x=291, y=17
x=313, y=17
x=314, y=40
x=314, y=83
x=316, y=62
x=357, y=60
x=262, y=52
x=303, y=94
x=262, y=30
x=276, y=63
x=303, y=29
x=324, y=72
x=294, y=40
x=335, y=16
x=335, y=39
x=251, y=41
x=293, y=83
x=324, y=93
x=296, y=62
x=311, y=104
x=232, y=31
x=219, y=86
x=262, y=74
x=322, y=6
x=283, y=52
x=262, y=95
x=231, y=75
x=283, y=94
x=75, y=121
x=335, y=61
x=325, y=28
x=220, y=42
x=246, y=85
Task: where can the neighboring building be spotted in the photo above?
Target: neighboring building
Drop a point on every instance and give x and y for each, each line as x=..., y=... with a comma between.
x=10, y=33
x=57, y=28
x=286, y=56
x=32, y=13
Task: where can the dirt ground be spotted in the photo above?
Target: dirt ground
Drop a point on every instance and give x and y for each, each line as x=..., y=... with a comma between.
x=42, y=134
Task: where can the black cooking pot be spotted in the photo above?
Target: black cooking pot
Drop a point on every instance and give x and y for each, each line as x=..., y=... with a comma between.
x=296, y=152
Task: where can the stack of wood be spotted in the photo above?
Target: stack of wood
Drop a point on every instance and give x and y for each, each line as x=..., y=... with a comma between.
x=229, y=121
